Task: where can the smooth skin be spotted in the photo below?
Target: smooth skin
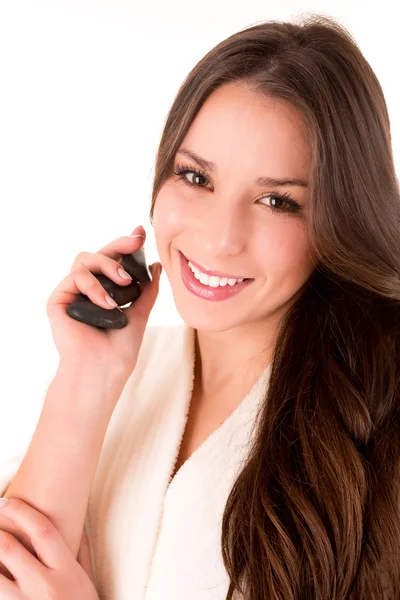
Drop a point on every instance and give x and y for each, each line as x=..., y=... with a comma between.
x=79, y=343
x=225, y=223
x=55, y=572
x=94, y=367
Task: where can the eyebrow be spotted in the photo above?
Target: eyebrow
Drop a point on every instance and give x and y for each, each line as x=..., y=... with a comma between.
x=267, y=181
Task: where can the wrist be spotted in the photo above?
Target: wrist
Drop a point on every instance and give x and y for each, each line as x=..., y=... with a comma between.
x=111, y=373
x=88, y=387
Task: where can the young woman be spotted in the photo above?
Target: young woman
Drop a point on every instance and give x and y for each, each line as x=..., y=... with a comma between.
x=253, y=452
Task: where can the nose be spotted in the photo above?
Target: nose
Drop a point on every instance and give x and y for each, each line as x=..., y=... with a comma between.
x=222, y=233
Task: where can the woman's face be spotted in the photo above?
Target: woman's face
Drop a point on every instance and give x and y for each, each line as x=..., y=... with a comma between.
x=224, y=221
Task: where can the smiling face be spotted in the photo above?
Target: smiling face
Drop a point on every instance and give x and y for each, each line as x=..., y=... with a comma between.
x=224, y=221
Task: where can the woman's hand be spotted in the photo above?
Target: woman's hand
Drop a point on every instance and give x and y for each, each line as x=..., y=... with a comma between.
x=113, y=350
x=55, y=573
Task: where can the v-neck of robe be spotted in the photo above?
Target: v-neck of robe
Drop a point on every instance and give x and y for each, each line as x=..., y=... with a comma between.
x=214, y=435
x=144, y=544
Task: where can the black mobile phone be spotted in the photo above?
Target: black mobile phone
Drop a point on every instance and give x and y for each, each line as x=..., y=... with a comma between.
x=84, y=310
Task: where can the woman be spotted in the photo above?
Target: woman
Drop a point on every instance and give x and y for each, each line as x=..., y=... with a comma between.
x=253, y=453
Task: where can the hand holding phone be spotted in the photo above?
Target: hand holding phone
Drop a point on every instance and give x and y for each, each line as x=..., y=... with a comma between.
x=86, y=311
x=85, y=328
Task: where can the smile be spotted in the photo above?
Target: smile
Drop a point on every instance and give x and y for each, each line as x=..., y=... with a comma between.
x=210, y=287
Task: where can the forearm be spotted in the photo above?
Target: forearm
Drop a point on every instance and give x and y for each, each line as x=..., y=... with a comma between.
x=58, y=469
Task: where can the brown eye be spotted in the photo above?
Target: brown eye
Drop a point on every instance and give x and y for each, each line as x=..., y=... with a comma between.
x=182, y=171
x=277, y=199
x=196, y=175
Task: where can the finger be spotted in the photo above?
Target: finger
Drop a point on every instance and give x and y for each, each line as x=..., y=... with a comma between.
x=79, y=281
x=98, y=263
x=143, y=305
x=115, y=249
x=84, y=556
x=9, y=590
x=10, y=527
x=27, y=570
x=123, y=245
x=46, y=540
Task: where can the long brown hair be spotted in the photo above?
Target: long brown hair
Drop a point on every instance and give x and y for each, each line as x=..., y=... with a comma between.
x=315, y=512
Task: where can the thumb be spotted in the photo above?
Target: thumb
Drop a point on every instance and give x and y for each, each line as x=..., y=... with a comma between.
x=84, y=557
x=149, y=292
x=156, y=269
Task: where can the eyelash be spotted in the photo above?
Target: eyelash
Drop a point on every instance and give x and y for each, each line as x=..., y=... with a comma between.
x=182, y=170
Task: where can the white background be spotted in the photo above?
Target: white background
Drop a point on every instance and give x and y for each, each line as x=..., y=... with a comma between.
x=85, y=87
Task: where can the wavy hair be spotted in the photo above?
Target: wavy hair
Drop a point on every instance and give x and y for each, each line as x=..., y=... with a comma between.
x=315, y=511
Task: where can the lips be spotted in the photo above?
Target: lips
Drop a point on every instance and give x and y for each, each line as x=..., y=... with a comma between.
x=212, y=272
x=208, y=292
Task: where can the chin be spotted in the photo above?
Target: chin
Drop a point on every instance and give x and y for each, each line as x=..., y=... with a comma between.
x=205, y=320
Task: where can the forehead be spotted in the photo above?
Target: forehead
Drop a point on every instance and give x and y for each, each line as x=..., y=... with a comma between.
x=237, y=124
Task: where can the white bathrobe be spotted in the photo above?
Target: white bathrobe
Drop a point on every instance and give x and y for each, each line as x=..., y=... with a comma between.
x=153, y=538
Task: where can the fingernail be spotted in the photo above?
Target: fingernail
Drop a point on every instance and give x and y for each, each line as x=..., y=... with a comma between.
x=3, y=501
x=139, y=228
x=124, y=274
x=110, y=300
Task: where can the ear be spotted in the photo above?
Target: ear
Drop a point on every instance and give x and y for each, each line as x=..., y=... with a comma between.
x=84, y=557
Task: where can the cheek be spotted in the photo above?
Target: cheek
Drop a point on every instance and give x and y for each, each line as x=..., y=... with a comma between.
x=285, y=252
x=167, y=213
x=176, y=206
x=169, y=223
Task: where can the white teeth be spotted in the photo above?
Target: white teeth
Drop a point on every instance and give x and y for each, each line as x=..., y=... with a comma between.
x=213, y=280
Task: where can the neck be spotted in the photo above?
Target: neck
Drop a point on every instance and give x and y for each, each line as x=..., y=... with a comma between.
x=231, y=359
